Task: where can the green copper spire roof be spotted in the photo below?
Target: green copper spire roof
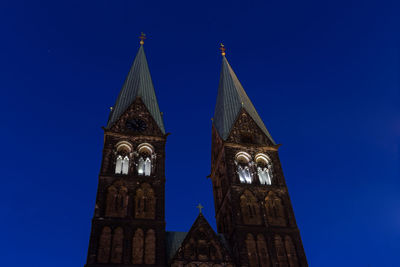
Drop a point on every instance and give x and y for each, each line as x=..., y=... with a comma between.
x=138, y=83
x=230, y=100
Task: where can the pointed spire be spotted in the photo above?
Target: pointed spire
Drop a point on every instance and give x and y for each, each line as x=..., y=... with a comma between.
x=230, y=100
x=138, y=83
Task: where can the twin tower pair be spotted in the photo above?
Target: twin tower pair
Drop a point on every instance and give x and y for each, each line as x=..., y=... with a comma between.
x=255, y=221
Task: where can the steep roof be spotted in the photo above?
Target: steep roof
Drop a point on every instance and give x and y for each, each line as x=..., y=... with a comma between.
x=176, y=240
x=138, y=83
x=230, y=100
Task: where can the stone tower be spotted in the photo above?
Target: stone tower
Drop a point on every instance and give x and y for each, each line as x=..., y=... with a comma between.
x=128, y=227
x=252, y=204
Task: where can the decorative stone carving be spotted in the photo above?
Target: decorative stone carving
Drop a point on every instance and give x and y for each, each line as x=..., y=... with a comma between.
x=137, y=110
x=246, y=131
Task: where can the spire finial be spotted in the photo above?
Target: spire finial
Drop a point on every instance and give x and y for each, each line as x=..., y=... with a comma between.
x=200, y=207
x=222, y=48
x=142, y=37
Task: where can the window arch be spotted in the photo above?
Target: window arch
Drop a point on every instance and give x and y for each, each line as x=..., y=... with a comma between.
x=264, y=169
x=117, y=200
x=137, y=247
x=124, y=149
x=242, y=160
x=250, y=208
x=275, y=209
x=117, y=245
x=150, y=247
x=145, y=202
x=280, y=251
x=146, y=155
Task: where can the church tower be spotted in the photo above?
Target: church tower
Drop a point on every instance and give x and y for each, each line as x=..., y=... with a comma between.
x=252, y=204
x=128, y=227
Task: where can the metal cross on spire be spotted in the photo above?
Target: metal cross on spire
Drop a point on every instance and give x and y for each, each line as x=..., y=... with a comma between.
x=200, y=207
x=142, y=37
x=222, y=48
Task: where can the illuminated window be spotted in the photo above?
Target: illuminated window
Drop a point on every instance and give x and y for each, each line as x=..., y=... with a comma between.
x=122, y=160
x=146, y=154
x=243, y=167
x=264, y=169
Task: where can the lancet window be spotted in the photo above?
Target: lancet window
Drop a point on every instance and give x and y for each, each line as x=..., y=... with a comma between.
x=138, y=247
x=264, y=169
x=122, y=158
x=150, y=247
x=243, y=167
x=103, y=253
x=146, y=158
x=145, y=202
x=117, y=200
x=117, y=245
x=275, y=209
x=280, y=251
x=249, y=208
x=110, y=244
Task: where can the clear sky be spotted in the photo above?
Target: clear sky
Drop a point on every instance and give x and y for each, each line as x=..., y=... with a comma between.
x=323, y=75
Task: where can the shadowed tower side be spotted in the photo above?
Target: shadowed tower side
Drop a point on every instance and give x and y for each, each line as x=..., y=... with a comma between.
x=128, y=227
x=252, y=204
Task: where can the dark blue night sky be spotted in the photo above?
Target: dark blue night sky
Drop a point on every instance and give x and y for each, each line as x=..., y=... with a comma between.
x=323, y=75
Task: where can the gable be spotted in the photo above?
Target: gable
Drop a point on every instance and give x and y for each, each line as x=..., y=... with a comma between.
x=138, y=113
x=246, y=131
x=201, y=245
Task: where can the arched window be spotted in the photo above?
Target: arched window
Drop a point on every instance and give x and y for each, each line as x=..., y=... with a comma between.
x=118, y=165
x=150, y=250
x=117, y=200
x=122, y=159
x=275, y=209
x=145, y=202
x=249, y=208
x=146, y=153
x=103, y=253
x=122, y=165
x=242, y=161
x=264, y=169
x=117, y=245
x=138, y=247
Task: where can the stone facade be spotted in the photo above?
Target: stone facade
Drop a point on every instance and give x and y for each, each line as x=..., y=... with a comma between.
x=255, y=220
